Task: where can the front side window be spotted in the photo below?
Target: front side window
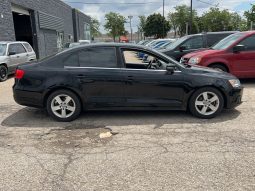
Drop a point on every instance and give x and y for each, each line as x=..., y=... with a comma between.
x=228, y=41
x=248, y=43
x=193, y=43
x=135, y=59
x=104, y=57
x=2, y=49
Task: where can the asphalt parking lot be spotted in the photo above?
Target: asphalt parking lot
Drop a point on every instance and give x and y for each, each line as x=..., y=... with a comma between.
x=147, y=151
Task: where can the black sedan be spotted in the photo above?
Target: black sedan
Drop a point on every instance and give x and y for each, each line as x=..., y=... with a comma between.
x=111, y=77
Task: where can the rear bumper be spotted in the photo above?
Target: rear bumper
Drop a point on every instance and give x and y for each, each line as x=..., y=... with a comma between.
x=234, y=98
x=28, y=98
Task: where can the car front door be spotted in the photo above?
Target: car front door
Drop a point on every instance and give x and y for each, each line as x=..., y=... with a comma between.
x=154, y=88
x=190, y=45
x=243, y=62
x=99, y=77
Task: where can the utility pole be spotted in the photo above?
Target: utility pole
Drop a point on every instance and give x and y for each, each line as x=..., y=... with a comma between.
x=163, y=17
x=191, y=16
x=131, y=31
x=251, y=25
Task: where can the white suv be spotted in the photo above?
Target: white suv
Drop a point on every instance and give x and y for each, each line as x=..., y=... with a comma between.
x=12, y=54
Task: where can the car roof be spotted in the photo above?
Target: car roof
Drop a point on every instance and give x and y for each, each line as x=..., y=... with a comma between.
x=12, y=42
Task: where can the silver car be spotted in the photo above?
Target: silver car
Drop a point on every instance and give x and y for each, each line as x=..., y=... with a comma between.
x=12, y=54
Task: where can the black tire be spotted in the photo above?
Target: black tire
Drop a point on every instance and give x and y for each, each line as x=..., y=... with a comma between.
x=219, y=67
x=3, y=73
x=75, y=102
x=197, y=109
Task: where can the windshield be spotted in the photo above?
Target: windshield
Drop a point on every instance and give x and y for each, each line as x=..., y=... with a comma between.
x=176, y=43
x=2, y=49
x=228, y=41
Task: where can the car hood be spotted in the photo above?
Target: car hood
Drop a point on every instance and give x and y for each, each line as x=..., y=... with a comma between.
x=202, y=53
x=3, y=59
x=210, y=72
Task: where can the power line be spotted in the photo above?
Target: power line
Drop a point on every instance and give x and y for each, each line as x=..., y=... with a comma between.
x=215, y=5
x=111, y=3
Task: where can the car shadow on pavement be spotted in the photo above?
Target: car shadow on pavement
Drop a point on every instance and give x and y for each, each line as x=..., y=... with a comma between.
x=30, y=117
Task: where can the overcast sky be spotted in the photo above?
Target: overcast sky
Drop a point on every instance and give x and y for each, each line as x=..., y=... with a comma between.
x=152, y=6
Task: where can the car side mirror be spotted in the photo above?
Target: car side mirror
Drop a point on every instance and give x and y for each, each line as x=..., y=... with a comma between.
x=11, y=53
x=238, y=48
x=170, y=68
x=182, y=48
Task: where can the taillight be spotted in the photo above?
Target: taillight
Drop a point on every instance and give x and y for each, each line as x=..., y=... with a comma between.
x=19, y=74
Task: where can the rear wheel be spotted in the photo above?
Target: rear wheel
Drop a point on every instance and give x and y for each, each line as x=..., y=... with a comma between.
x=64, y=106
x=3, y=73
x=219, y=67
x=206, y=103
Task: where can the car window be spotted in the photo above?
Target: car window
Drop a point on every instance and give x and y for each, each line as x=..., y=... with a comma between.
x=28, y=47
x=17, y=48
x=2, y=49
x=136, y=59
x=228, y=41
x=194, y=43
x=212, y=39
x=98, y=57
x=71, y=60
x=248, y=43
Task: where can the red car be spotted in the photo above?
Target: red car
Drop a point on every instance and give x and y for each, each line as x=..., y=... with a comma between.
x=234, y=54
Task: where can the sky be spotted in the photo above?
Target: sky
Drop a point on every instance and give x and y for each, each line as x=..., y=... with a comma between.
x=152, y=6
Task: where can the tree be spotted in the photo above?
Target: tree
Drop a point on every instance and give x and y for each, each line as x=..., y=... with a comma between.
x=154, y=26
x=94, y=30
x=115, y=24
x=142, y=23
x=250, y=15
x=181, y=17
x=221, y=20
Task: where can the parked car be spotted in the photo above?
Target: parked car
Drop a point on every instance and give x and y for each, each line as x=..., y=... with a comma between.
x=234, y=54
x=193, y=43
x=13, y=54
x=109, y=76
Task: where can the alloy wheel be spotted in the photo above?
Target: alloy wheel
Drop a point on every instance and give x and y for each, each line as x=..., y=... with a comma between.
x=63, y=106
x=207, y=103
x=3, y=73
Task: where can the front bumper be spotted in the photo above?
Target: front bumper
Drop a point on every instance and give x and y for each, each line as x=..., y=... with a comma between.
x=234, y=98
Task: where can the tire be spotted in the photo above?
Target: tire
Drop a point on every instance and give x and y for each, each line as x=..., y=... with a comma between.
x=63, y=111
x=3, y=73
x=219, y=67
x=206, y=103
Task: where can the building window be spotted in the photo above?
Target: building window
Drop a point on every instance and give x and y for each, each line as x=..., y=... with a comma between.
x=87, y=31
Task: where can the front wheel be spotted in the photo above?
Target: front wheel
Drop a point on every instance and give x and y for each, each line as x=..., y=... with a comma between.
x=64, y=106
x=3, y=73
x=206, y=103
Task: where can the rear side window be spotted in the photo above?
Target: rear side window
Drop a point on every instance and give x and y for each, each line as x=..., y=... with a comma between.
x=104, y=57
x=17, y=48
x=249, y=43
x=28, y=47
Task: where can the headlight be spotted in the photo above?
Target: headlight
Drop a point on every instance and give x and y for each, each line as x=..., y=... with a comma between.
x=235, y=83
x=194, y=60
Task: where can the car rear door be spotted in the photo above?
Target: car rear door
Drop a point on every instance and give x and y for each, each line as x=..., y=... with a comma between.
x=150, y=88
x=243, y=63
x=99, y=77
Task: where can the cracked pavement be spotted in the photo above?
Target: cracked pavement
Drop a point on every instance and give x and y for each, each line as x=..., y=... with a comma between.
x=148, y=150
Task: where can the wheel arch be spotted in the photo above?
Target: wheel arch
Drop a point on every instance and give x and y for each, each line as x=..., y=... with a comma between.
x=209, y=86
x=220, y=63
x=48, y=93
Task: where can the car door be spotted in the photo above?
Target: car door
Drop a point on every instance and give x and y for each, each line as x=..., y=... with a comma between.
x=190, y=45
x=243, y=63
x=99, y=77
x=153, y=88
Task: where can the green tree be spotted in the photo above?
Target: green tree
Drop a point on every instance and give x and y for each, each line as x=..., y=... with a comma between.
x=154, y=26
x=181, y=17
x=115, y=24
x=142, y=23
x=250, y=15
x=94, y=30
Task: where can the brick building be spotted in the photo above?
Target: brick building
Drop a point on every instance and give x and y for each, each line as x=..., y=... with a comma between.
x=46, y=24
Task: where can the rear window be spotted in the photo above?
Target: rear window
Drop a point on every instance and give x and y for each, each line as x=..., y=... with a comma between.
x=28, y=47
x=98, y=57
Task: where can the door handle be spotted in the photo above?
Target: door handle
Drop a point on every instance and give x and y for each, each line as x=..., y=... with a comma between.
x=17, y=56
